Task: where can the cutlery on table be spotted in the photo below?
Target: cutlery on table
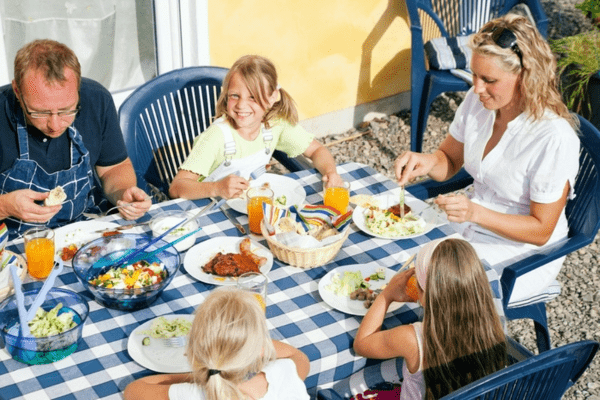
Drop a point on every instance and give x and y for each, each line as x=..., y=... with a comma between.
x=122, y=227
x=234, y=221
x=177, y=341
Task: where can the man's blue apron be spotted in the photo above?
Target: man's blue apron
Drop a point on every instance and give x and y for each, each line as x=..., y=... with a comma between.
x=77, y=181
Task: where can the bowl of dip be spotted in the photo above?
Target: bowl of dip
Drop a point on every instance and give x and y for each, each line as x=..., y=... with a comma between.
x=167, y=219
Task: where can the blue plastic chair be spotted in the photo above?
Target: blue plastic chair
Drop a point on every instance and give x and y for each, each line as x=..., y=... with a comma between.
x=583, y=215
x=545, y=376
x=161, y=118
x=435, y=18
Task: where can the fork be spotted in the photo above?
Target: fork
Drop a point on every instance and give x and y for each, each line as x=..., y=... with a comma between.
x=258, y=172
x=176, y=341
x=104, y=214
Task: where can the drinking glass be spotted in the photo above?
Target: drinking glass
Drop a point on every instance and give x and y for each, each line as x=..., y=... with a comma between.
x=255, y=198
x=338, y=197
x=256, y=283
x=39, y=251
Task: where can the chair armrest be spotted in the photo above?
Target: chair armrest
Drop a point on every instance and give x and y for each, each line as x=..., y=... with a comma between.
x=430, y=188
x=296, y=164
x=551, y=253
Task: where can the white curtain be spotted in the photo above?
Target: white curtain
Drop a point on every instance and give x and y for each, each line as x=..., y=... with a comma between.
x=102, y=33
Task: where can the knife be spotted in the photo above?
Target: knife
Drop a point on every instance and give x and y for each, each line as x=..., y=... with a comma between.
x=233, y=220
x=401, y=202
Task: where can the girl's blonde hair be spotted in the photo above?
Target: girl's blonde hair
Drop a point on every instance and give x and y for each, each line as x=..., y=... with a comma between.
x=463, y=336
x=539, y=80
x=229, y=342
x=260, y=76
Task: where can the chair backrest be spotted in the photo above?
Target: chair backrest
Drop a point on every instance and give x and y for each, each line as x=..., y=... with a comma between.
x=161, y=118
x=434, y=18
x=583, y=212
x=545, y=376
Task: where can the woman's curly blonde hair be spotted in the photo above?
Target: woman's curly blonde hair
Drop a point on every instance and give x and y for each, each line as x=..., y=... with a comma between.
x=539, y=80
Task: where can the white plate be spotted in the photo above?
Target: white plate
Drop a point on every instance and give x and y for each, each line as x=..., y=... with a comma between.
x=78, y=233
x=201, y=253
x=281, y=186
x=343, y=303
x=388, y=200
x=156, y=356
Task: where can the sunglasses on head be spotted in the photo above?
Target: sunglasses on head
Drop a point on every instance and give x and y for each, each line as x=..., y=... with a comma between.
x=506, y=39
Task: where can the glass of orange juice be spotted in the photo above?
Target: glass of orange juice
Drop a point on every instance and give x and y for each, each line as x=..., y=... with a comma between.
x=39, y=251
x=338, y=197
x=256, y=283
x=256, y=197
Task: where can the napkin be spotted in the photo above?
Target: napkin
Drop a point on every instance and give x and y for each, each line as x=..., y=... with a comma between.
x=309, y=217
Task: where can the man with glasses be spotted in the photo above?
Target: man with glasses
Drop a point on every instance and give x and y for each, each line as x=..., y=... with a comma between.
x=59, y=129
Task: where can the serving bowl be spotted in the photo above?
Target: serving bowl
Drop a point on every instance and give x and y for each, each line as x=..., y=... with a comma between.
x=167, y=219
x=98, y=256
x=44, y=350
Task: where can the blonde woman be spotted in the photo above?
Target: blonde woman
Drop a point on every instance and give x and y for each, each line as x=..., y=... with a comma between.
x=516, y=138
x=255, y=117
x=232, y=357
x=460, y=339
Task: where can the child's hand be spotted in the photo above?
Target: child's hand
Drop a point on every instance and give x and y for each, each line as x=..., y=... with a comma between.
x=333, y=179
x=232, y=186
x=396, y=289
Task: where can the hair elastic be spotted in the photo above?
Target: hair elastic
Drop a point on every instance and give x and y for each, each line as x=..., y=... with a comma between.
x=423, y=260
x=212, y=372
x=278, y=86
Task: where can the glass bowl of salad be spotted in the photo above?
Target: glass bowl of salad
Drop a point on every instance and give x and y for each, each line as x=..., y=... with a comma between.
x=130, y=286
x=55, y=329
x=167, y=219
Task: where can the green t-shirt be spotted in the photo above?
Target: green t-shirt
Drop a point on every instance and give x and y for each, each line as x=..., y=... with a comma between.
x=208, y=150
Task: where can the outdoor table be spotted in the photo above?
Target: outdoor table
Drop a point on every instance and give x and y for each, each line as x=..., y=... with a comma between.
x=101, y=367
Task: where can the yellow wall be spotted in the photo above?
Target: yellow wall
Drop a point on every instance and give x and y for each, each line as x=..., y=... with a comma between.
x=330, y=54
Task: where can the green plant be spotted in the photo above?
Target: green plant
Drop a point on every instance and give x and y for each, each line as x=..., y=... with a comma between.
x=579, y=60
x=590, y=8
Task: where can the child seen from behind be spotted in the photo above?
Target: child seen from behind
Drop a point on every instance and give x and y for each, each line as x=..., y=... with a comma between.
x=232, y=357
x=460, y=339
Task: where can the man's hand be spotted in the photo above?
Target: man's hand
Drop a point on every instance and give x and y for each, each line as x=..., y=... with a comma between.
x=140, y=203
x=21, y=204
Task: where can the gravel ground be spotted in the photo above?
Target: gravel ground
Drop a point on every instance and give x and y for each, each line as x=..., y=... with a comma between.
x=575, y=314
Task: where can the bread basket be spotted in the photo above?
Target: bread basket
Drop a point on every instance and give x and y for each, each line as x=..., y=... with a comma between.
x=303, y=258
x=20, y=261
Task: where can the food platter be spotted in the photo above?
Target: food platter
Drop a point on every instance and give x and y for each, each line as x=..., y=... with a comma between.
x=200, y=254
x=429, y=219
x=156, y=356
x=343, y=303
x=281, y=186
x=78, y=233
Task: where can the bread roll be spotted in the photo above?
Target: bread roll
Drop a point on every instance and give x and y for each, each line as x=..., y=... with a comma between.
x=56, y=197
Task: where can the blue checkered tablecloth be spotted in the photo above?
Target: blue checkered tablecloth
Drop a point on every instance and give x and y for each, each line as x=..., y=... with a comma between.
x=101, y=367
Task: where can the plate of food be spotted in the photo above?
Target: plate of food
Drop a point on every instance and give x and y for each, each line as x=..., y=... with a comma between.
x=286, y=192
x=353, y=288
x=69, y=238
x=146, y=347
x=383, y=221
x=220, y=260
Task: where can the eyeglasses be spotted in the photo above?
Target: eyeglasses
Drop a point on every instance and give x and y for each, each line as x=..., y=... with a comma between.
x=506, y=39
x=48, y=114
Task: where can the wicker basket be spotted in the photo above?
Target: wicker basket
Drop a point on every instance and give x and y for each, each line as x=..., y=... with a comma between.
x=8, y=290
x=303, y=258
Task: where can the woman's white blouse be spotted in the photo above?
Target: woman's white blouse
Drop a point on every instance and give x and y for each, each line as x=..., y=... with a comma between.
x=532, y=161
